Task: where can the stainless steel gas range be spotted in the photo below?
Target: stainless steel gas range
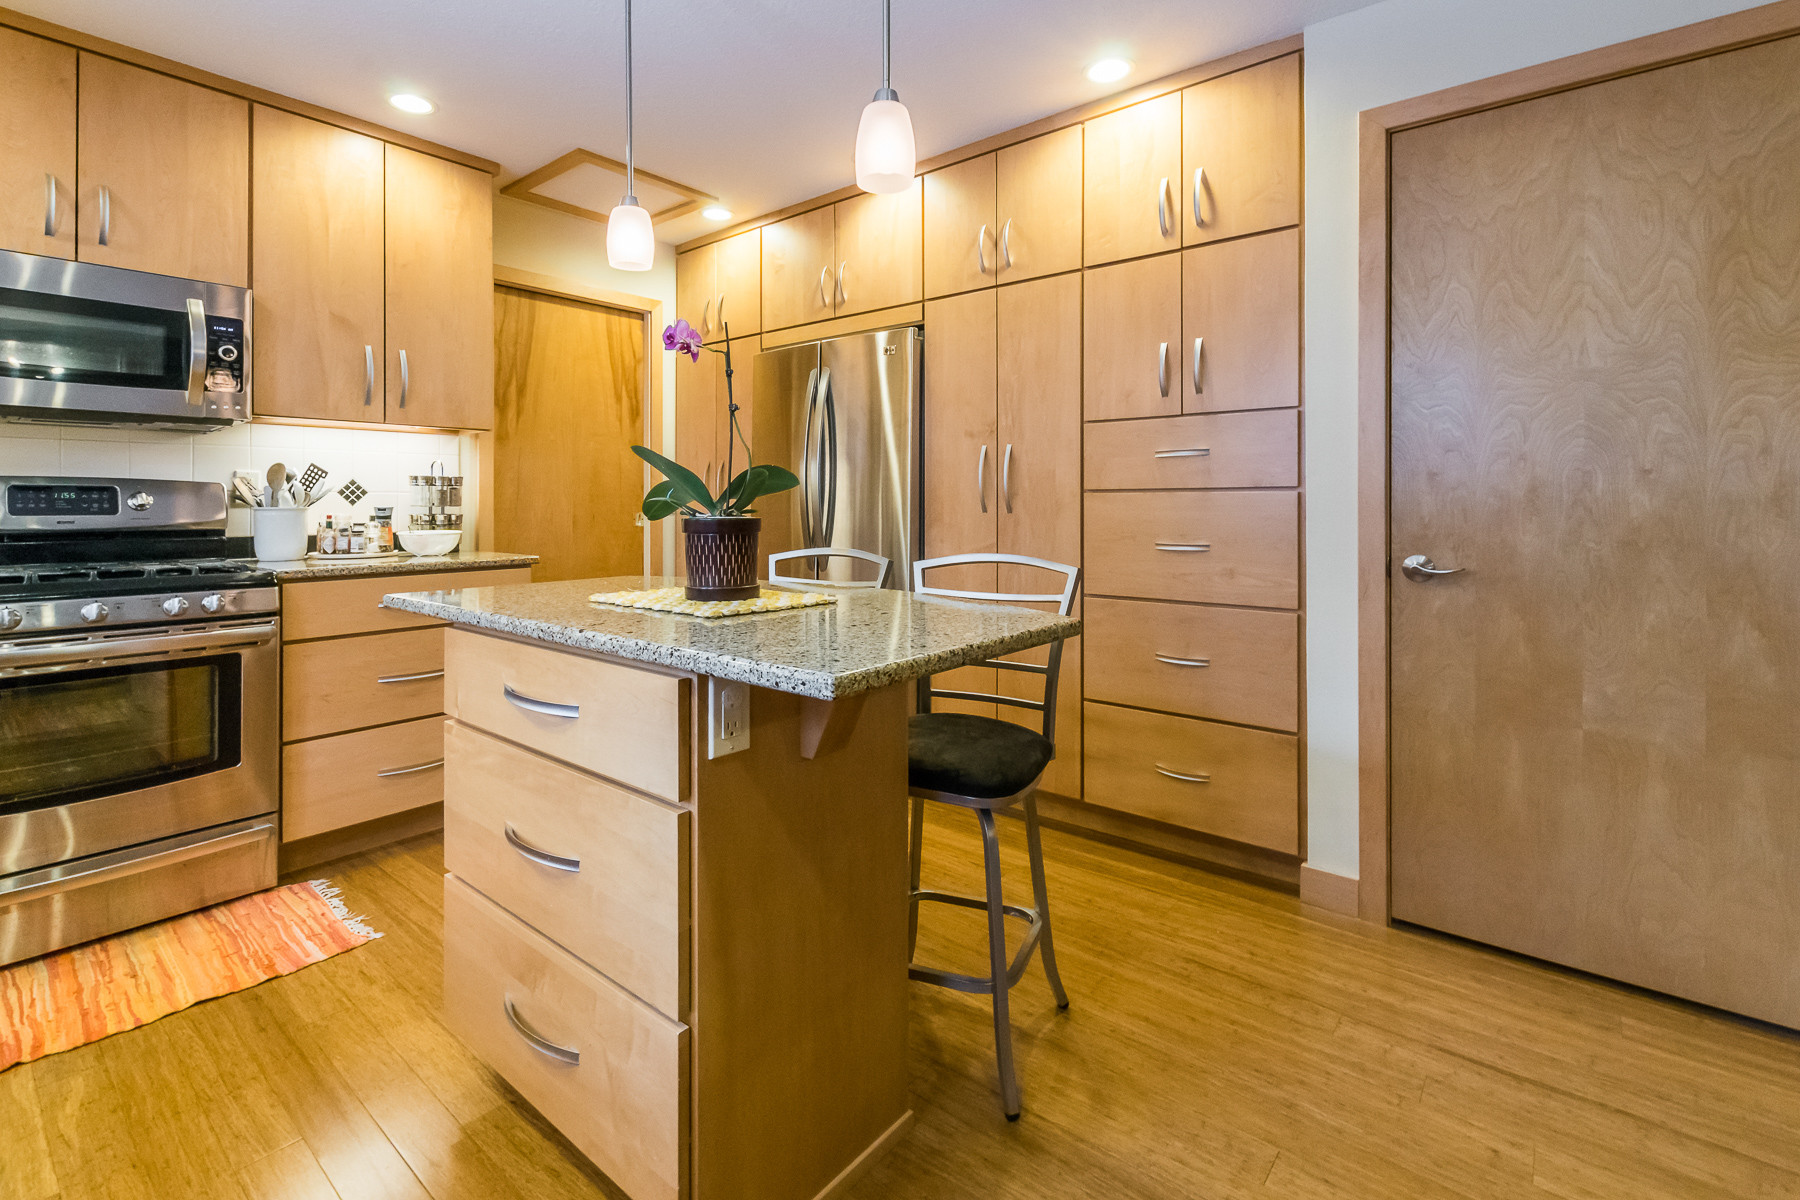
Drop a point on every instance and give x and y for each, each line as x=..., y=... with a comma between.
x=139, y=684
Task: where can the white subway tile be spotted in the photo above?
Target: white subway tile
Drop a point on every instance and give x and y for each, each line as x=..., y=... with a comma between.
x=96, y=458
x=161, y=460
x=30, y=456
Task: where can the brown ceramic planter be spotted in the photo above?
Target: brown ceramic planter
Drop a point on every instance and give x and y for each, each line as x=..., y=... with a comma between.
x=721, y=557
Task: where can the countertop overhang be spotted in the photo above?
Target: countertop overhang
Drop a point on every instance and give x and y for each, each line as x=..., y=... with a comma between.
x=347, y=565
x=868, y=639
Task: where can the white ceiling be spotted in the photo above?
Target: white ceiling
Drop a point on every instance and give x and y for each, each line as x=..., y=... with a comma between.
x=753, y=100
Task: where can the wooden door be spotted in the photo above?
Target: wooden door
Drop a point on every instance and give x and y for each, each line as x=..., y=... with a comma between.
x=799, y=269
x=1131, y=339
x=696, y=274
x=320, y=296
x=1241, y=152
x=1130, y=181
x=738, y=282
x=1596, y=727
x=1038, y=205
x=164, y=169
x=1240, y=317
x=440, y=292
x=569, y=405
x=878, y=250
x=961, y=237
x=37, y=146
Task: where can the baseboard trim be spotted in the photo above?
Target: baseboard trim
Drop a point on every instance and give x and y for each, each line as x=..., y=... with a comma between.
x=355, y=839
x=1235, y=859
x=861, y=1164
x=1323, y=889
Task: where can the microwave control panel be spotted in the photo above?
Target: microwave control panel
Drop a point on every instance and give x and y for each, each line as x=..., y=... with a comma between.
x=225, y=354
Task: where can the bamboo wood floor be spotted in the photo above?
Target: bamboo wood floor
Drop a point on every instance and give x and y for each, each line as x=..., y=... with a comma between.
x=1223, y=1043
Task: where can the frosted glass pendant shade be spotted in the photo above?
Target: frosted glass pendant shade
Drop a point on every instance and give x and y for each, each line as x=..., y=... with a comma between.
x=630, y=241
x=885, y=156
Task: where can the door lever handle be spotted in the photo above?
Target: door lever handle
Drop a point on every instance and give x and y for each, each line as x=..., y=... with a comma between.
x=1421, y=569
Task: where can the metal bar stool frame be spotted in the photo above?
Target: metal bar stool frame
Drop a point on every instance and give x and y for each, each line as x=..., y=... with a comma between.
x=1038, y=937
x=882, y=567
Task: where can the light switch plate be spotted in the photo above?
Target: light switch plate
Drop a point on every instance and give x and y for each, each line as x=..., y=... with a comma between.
x=727, y=718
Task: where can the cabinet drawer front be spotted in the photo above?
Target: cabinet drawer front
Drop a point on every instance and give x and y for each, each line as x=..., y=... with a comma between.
x=353, y=683
x=334, y=782
x=1224, y=450
x=334, y=607
x=1212, y=547
x=598, y=870
x=526, y=1006
x=1230, y=664
x=622, y=722
x=1241, y=784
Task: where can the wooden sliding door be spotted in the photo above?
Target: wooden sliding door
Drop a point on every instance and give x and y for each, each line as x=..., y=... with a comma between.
x=1596, y=417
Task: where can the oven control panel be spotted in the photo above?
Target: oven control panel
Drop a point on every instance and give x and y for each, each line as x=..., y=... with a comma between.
x=225, y=354
x=21, y=616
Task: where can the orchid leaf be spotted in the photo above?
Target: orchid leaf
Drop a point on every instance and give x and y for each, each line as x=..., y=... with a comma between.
x=760, y=480
x=659, y=502
x=685, y=486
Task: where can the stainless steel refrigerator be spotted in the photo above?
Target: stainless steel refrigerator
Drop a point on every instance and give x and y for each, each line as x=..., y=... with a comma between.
x=843, y=415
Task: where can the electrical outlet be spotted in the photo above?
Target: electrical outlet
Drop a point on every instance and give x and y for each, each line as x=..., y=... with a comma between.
x=728, y=717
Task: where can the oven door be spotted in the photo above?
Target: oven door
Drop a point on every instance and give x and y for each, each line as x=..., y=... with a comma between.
x=115, y=741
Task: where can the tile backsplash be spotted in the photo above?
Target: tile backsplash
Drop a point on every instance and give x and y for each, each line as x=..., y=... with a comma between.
x=379, y=459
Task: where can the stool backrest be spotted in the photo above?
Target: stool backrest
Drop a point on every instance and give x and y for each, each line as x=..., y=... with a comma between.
x=1064, y=601
x=828, y=552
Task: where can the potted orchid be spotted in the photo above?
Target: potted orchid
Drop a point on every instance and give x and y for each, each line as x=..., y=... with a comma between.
x=720, y=531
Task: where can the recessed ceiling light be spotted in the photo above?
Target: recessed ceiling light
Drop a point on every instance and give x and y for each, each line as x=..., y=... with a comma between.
x=716, y=212
x=408, y=103
x=1109, y=70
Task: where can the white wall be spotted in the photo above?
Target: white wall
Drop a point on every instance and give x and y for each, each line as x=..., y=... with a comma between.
x=1390, y=51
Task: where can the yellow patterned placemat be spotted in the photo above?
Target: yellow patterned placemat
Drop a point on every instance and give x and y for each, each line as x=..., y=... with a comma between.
x=674, y=600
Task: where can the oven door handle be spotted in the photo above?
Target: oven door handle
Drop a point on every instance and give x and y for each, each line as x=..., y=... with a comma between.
x=31, y=885
x=26, y=654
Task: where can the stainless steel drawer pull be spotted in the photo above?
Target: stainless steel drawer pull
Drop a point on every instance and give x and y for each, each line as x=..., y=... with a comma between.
x=105, y=237
x=1185, y=547
x=1006, y=244
x=1185, y=778
x=548, y=707
x=49, y=205
x=368, y=376
x=1190, y=452
x=1162, y=206
x=1199, y=190
x=413, y=770
x=1162, y=370
x=1183, y=662
x=1199, y=363
x=405, y=379
x=543, y=857
x=537, y=1041
x=981, y=250
x=410, y=678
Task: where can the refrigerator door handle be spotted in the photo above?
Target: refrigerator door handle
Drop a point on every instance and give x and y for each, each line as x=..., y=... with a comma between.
x=806, y=427
x=828, y=457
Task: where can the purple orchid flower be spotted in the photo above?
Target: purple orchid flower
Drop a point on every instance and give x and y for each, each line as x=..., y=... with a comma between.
x=683, y=339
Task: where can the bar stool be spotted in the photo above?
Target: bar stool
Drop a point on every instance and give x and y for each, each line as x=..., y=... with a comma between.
x=989, y=765
x=827, y=552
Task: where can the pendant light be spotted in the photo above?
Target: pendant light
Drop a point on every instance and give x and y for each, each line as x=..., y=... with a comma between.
x=885, y=156
x=630, y=241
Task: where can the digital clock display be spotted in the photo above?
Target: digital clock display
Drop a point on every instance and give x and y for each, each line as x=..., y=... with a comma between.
x=45, y=500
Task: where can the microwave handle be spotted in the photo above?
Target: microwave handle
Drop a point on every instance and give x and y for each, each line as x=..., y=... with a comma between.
x=196, y=388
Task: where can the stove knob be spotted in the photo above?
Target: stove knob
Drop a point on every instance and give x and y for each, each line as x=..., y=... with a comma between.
x=175, y=605
x=11, y=618
x=213, y=603
x=93, y=612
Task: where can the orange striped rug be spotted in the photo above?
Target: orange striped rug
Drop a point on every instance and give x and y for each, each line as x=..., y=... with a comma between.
x=88, y=992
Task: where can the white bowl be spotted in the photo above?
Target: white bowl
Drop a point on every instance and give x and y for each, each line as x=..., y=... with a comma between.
x=429, y=542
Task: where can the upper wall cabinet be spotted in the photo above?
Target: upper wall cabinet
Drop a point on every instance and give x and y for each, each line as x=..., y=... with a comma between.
x=959, y=235
x=696, y=290
x=1133, y=163
x=799, y=269
x=440, y=292
x=164, y=170
x=1038, y=206
x=1241, y=152
x=37, y=145
x=320, y=298
x=878, y=251
x=737, y=281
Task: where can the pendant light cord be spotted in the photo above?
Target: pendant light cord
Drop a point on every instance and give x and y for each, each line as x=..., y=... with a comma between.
x=630, y=171
x=887, y=91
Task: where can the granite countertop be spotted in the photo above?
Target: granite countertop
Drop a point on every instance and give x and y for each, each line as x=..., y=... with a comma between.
x=868, y=639
x=334, y=567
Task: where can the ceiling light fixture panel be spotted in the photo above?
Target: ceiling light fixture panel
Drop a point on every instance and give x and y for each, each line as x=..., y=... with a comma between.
x=410, y=102
x=1109, y=70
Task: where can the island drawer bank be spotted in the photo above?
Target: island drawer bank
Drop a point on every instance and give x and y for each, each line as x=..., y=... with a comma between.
x=695, y=967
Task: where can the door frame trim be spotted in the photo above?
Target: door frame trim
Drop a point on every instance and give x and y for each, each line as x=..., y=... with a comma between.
x=1376, y=126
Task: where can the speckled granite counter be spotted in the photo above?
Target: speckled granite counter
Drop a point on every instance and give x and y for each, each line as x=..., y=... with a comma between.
x=405, y=564
x=868, y=639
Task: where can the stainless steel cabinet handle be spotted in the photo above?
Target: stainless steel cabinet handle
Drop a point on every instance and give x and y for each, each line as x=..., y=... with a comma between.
x=196, y=388
x=1006, y=245
x=1162, y=368
x=1006, y=477
x=405, y=379
x=824, y=297
x=1183, y=662
x=981, y=477
x=706, y=319
x=410, y=678
x=542, y=857
x=981, y=249
x=368, y=376
x=1199, y=358
x=412, y=770
x=105, y=215
x=537, y=1041
x=1190, y=452
x=842, y=295
x=1420, y=569
x=1199, y=187
x=548, y=707
x=1182, y=775
x=1162, y=206
x=49, y=205
x=1185, y=547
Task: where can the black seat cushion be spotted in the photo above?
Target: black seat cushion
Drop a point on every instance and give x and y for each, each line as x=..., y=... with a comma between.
x=973, y=756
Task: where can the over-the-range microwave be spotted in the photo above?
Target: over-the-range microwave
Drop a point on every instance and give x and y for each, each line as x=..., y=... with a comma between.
x=86, y=344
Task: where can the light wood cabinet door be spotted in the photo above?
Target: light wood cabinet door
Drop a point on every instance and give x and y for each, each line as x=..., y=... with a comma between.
x=320, y=293
x=1240, y=318
x=879, y=263
x=1133, y=159
x=440, y=292
x=730, y=454
x=696, y=273
x=799, y=269
x=1241, y=152
x=737, y=278
x=1038, y=205
x=697, y=401
x=37, y=146
x=1131, y=340
x=961, y=463
x=961, y=236
x=164, y=170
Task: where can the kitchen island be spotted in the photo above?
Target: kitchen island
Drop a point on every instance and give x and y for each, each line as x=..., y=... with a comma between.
x=691, y=957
